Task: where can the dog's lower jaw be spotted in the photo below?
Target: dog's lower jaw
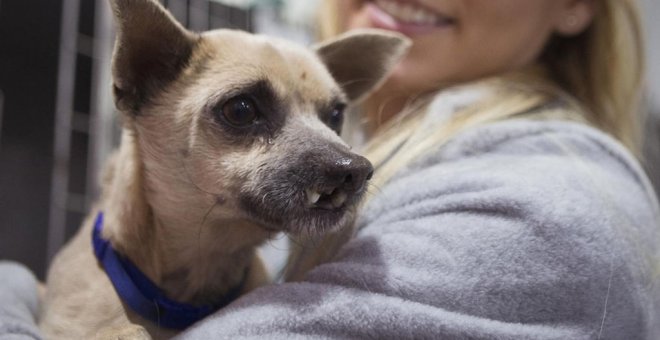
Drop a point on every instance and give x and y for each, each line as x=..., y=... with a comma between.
x=291, y=215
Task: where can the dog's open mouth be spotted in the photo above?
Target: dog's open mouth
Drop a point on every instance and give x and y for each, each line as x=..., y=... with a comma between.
x=328, y=199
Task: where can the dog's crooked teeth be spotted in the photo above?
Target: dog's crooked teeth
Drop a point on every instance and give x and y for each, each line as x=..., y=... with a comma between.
x=312, y=196
x=338, y=199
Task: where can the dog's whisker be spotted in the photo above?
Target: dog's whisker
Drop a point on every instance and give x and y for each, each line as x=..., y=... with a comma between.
x=190, y=181
x=353, y=81
x=208, y=212
x=200, y=229
x=295, y=241
x=373, y=189
x=279, y=248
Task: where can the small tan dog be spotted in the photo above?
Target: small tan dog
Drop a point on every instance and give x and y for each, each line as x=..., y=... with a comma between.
x=227, y=138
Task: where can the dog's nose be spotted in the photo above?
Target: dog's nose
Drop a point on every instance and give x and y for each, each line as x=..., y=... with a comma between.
x=349, y=172
x=340, y=178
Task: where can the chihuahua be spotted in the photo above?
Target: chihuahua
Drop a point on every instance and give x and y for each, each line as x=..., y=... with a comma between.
x=227, y=139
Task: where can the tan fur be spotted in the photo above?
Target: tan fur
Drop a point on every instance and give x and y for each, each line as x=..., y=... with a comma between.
x=171, y=191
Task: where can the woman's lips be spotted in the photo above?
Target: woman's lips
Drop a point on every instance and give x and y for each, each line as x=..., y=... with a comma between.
x=405, y=17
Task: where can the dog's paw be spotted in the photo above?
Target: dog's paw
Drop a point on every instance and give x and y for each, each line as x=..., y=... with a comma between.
x=124, y=332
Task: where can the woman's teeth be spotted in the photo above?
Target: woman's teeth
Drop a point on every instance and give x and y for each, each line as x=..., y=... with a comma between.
x=409, y=13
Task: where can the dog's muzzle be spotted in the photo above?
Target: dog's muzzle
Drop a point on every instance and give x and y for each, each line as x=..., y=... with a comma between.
x=339, y=176
x=313, y=189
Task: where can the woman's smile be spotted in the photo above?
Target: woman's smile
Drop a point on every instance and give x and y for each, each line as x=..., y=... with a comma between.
x=407, y=17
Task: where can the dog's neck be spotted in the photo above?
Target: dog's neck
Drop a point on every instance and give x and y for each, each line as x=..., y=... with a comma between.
x=190, y=259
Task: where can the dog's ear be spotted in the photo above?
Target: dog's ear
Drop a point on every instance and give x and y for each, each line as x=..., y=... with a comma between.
x=150, y=50
x=361, y=59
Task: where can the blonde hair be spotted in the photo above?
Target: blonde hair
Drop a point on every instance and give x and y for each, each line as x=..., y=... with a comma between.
x=603, y=68
x=597, y=74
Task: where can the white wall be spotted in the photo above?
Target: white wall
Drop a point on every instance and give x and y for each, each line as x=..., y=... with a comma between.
x=651, y=10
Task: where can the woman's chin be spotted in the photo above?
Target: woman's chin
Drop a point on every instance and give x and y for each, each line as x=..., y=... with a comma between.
x=410, y=79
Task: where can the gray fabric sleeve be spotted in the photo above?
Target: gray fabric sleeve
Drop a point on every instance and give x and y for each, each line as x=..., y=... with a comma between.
x=18, y=303
x=517, y=230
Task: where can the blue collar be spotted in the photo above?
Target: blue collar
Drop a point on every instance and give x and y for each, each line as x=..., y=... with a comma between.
x=141, y=294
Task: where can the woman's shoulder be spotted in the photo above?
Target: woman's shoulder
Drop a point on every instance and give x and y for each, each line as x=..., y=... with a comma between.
x=540, y=134
x=555, y=169
x=558, y=157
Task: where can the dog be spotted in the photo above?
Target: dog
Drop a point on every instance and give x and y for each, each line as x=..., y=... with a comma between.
x=227, y=138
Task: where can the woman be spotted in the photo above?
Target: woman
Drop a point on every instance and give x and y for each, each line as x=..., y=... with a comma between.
x=507, y=202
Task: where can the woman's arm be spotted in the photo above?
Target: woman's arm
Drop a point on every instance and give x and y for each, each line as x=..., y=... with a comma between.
x=18, y=303
x=519, y=230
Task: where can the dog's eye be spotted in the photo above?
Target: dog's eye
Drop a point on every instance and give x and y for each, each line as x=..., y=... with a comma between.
x=240, y=111
x=336, y=118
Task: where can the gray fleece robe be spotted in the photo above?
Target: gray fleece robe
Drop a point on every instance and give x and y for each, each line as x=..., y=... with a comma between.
x=520, y=229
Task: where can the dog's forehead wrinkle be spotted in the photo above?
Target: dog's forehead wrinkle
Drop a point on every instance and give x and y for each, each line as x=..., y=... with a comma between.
x=235, y=48
x=281, y=61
